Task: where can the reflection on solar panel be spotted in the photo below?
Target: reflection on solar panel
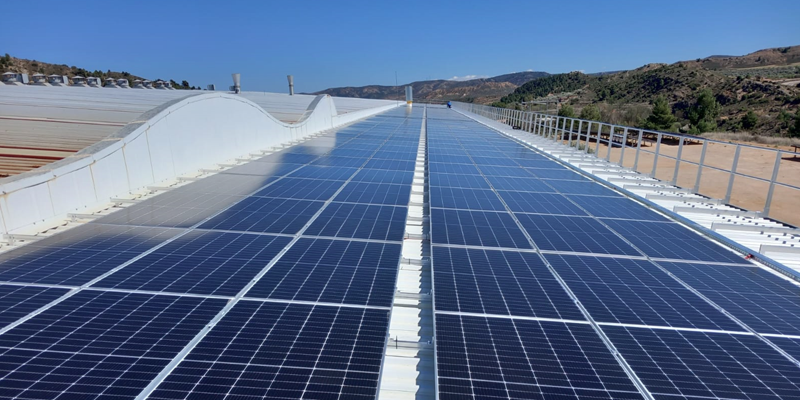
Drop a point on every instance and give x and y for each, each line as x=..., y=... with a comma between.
x=276, y=279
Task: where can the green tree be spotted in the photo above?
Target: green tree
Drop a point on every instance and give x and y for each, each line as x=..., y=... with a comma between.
x=590, y=112
x=661, y=118
x=185, y=84
x=703, y=113
x=750, y=120
x=566, y=111
x=794, y=131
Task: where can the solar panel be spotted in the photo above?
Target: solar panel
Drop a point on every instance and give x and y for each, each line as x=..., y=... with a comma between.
x=574, y=234
x=539, y=203
x=360, y=221
x=458, y=181
x=19, y=301
x=384, y=176
x=691, y=364
x=399, y=165
x=209, y=263
x=476, y=228
x=171, y=209
x=561, y=174
x=265, y=168
x=375, y=193
x=468, y=199
x=333, y=271
x=80, y=255
x=501, y=283
x=284, y=351
x=303, y=189
x=520, y=184
x=481, y=357
x=581, y=188
x=333, y=161
x=670, y=240
x=99, y=344
x=264, y=214
x=613, y=207
x=327, y=173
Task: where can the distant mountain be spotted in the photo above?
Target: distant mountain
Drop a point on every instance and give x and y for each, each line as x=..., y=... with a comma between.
x=476, y=90
x=765, y=82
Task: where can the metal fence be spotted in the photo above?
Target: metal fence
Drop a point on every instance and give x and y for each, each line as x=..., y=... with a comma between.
x=754, y=178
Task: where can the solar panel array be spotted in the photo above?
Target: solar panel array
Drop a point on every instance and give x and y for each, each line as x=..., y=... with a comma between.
x=550, y=285
x=273, y=279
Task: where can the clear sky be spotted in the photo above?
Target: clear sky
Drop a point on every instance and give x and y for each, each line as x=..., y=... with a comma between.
x=353, y=43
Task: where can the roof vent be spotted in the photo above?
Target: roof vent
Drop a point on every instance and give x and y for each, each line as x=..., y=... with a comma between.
x=13, y=78
x=39, y=80
x=94, y=82
x=79, y=81
x=58, y=80
x=237, y=83
x=291, y=84
x=123, y=83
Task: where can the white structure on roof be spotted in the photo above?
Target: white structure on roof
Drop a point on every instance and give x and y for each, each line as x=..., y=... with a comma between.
x=181, y=135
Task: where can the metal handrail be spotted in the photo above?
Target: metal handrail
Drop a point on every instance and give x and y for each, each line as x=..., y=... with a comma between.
x=558, y=127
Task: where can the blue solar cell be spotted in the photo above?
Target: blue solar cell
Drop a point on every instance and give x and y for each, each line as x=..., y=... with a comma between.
x=581, y=188
x=529, y=184
x=539, y=203
x=575, y=234
x=458, y=180
x=333, y=271
x=613, y=207
x=670, y=240
x=476, y=228
x=77, y=257
x=539, y=162
x=327, y=173
x=333, y=161
x=516, y=172
x=521, y=359
x=399, y=165
x=561, y=174
x=384, y=176
x=462, y=158
x=442, y=168
x=99, y=344
x=282, y=351
x=360, y=221
x=740, y=279
x=609, y=270
x=501, y=294
x=264, y=214
x=296, y=188
x=202, y=263
x=690, y=364
x=402, y=153
x=468, y=199
x=375, y=193
x=19, y=301
x=500, y=160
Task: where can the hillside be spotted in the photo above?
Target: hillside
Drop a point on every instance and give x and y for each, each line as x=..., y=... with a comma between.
x=625, y=97
x=30, y=67
x=476, y=90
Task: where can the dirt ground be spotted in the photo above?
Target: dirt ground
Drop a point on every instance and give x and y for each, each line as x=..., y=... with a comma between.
x=748, y=193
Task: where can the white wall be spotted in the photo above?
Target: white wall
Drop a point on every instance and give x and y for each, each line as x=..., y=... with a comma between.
x=174, y=139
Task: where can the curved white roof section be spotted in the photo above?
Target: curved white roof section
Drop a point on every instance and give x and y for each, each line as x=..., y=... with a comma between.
x=175, y=135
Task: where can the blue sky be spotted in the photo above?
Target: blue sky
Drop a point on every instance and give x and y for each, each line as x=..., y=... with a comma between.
x=353, y=43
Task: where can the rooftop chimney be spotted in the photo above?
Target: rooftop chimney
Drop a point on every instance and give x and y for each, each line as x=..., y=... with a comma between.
x=291, y=84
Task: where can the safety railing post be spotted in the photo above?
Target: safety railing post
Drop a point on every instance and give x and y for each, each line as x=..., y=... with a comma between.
x=696, y=188
x=610, y=142
x=638, y=149
x=655, y=157
x=733, y=174
x=624, y=145
x=772, y=181
x=571, y=125
x=597, y=145
x=677, y=161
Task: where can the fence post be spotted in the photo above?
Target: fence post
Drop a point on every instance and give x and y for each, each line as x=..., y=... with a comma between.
x=624, y=145
x=775, y=169
x=597, y=145
x=571, y=125
x=638, y=149
x=700, y=168
x=677, y=162
x=655, y=157
x=610, y=142
x=733, y=174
